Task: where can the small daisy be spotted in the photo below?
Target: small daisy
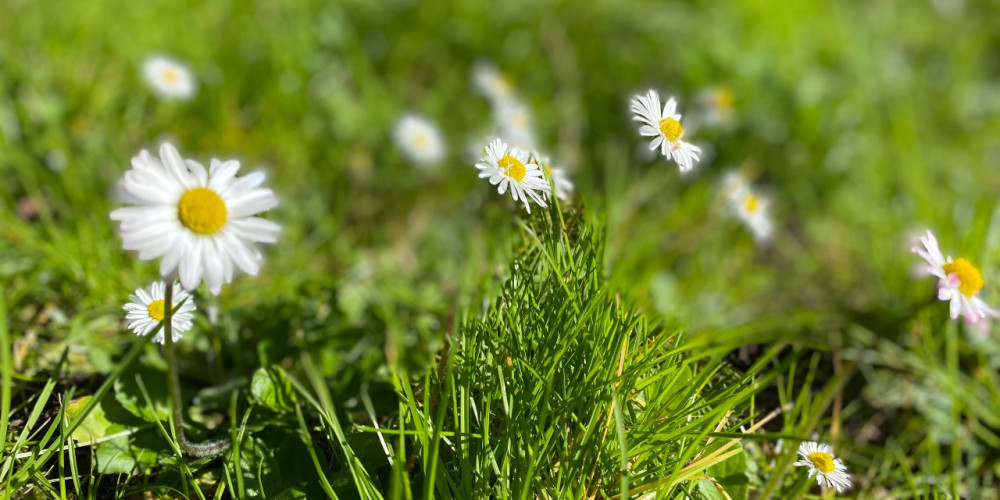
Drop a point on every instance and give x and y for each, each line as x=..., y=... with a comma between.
x=506, y=166
x=419, y=139
x=200, y=222
x=169, y=78
x=830, y=472
x=664, y=126
x=558, y=175
x=491, y=82
x=959, y=281
x=749, y=206
x=515, y=124
x=146, y=310
x=717, y=108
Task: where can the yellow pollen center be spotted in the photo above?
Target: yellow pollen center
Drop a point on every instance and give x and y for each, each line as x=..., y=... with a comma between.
x=171, y=75
x=723, y=99
x=548, y=171
x=202, y=211
x=421, y=140
x=751, y=203
x=822, y=461
x=513, y=168
x=971, y=278
x=671, y=129
x=156, y=310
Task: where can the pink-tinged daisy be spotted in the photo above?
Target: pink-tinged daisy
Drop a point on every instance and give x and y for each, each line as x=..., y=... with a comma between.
x=959, y=281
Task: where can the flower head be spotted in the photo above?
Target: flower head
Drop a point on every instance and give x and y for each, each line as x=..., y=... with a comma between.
x=490, y=82
x=717, y=107
x=200, y=222
x=959, y=281
x=515, y=124
x=506, y=166
x=830, y=472
x=419, y=139
x=664, y=126
x=559, y=176
x=169, y=78
x=146, y=310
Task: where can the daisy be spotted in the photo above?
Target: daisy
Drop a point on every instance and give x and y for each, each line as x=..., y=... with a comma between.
x=959, y=281
x=146, y=310
x=169, y=78
x=507, y=166
x=717, y=108
x=664, y=126
x=752, y=209
x=830, y=472
x=419, y=139
x=559, y=176
x=515, y=124
x=200, y=222
x=491, y=82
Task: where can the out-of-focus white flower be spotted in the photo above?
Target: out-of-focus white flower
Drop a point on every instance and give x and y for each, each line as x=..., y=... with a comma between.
x=664, y=126
x=749, y=206
x=558, y=175
x=419, y=139
x=716, y=106
x=491, y=82
x=514, y=122
x=512, y=167
x=147, y=309
x=830, y=472
x=959, y=281
x=169, y=78
x=201, y=222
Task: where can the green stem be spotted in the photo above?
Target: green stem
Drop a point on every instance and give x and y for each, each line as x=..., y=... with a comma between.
x=174, y=387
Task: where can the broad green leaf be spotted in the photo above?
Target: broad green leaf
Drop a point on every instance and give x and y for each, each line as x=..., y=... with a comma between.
x=731, y=474
x=129, y=393
x=270, y=387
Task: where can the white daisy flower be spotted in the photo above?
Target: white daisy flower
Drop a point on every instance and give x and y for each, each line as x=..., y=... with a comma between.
x=830, y=472
x=559, y=176
x=515, y=124
x=419, y=139
x=200, y=222
x=664, y=126
x=169, y=78
x=959, y=281
x=491, y=82
x=511, y=167
x=717, y=109
x=146, y=310
x=749, y=206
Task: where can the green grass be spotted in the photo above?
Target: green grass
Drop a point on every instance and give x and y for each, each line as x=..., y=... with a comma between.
x=415, y=335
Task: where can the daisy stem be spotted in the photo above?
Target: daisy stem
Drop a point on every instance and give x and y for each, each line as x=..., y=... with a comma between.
x=174, y=387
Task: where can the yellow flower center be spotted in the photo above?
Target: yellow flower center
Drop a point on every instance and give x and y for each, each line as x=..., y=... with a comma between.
x=202, y=211
x=421, y=141
x=671, y=129
x=822, y=461
x=171, y=75
x=513, y=168
x=971, y=278
x=723, y=99
x=751, y=203
x=156, y=310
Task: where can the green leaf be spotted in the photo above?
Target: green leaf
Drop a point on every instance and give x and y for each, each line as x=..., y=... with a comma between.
x=128, y=392
x=731, y=475
x=270, y=387
x=94, y=426
x=134, y=454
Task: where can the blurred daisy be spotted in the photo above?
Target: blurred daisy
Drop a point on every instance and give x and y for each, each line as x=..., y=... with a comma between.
x=959, y=281
x=490, y=82
x=146, y=310
x=419, y=139
x=559, y=176
x=200, y=222
x=169, y=78
x=749, y=206
x=717, y=108
x=515, y=124
x=664, y=126
x=830, y=472
x=507, y=166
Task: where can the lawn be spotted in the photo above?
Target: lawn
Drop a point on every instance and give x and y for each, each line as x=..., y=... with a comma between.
x=413, y=333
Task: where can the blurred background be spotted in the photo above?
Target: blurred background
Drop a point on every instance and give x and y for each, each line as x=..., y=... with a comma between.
x=865, y=122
